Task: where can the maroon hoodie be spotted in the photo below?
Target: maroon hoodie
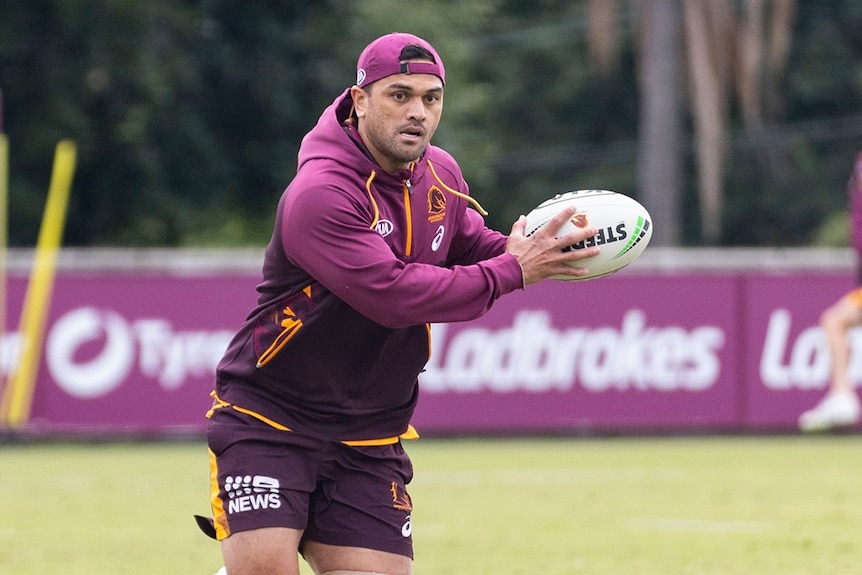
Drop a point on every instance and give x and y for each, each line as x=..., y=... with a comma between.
x=361, y=261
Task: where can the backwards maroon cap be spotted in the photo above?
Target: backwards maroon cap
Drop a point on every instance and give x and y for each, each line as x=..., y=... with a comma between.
x=382, y=58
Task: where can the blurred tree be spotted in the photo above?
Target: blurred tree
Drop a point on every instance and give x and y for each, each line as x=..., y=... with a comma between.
x=661, y=153
x=604, y=41
x=556, y=121
x=725, y=43
x=188, y=115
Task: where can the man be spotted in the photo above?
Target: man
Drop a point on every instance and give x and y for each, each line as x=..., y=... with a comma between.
x=373, y=241
x=840, y=407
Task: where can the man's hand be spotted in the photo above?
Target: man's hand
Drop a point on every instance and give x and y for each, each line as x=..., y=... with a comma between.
x=541, y=255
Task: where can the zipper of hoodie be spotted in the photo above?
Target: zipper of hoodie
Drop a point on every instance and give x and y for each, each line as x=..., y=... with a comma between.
x=408, y=212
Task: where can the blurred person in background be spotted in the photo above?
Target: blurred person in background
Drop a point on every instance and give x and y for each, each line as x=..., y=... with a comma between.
x=841, y=407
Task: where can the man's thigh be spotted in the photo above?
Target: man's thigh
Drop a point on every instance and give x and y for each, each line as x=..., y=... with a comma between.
x=337, y=559
x=271, y=550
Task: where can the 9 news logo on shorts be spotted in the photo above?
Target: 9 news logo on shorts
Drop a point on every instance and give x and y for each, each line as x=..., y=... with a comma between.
x=251, y=493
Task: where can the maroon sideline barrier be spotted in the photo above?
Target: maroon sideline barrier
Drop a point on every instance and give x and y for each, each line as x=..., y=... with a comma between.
x=675, y=350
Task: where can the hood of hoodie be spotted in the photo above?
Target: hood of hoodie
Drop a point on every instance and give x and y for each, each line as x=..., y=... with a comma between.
x=334, y=146
x=333, y=139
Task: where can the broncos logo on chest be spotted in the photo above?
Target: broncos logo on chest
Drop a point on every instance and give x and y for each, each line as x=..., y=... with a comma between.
x=436, y=204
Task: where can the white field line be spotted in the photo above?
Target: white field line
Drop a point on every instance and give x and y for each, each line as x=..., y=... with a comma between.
x=545, y=476
x=575, y=475
x=682, y=525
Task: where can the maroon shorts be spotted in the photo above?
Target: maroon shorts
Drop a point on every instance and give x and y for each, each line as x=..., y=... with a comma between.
x=339, y=494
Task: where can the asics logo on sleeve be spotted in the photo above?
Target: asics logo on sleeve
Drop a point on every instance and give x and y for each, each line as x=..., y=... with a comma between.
x=438, y=238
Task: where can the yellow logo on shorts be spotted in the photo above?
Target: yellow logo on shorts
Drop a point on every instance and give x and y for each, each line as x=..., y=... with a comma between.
x=400, y=501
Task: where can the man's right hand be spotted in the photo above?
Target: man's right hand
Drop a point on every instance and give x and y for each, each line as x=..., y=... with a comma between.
x=541, y=255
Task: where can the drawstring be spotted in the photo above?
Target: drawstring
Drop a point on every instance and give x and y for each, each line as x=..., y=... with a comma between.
x=475, y=204
x=454, y=192
x=371, y=196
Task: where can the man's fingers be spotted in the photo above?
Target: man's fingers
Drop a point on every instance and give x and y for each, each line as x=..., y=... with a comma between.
x=575, y=237
x=544, y=255
x=520, y=225
x=578, y=236
x=554, y=224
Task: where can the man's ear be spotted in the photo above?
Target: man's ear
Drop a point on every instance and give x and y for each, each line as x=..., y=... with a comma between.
x=360, y=100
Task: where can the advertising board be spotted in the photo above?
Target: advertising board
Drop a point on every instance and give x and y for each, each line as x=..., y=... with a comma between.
x=676, y=351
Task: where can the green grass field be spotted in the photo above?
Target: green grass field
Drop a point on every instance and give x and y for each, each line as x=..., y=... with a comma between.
x=706, y=505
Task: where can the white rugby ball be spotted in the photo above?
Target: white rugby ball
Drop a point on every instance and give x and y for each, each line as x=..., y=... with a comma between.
x=625, y=228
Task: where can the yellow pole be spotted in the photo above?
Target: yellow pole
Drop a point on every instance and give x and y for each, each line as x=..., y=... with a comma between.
x=18, y=396
x=5, y=352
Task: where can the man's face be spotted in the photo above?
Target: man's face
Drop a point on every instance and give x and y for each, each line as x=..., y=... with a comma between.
x=397, y=117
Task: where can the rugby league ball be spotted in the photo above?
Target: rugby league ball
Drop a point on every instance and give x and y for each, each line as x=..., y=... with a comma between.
x=625, y=228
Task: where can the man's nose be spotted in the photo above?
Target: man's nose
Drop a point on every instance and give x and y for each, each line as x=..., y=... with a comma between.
x=416, y=109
